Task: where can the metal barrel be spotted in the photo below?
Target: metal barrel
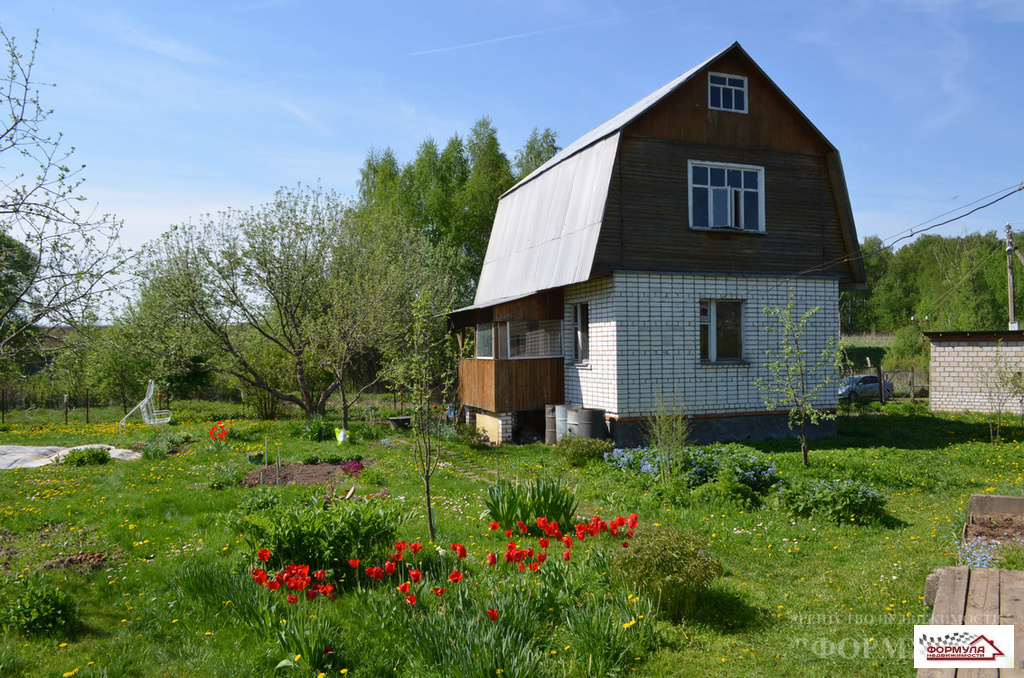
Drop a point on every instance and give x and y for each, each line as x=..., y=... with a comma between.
x=550, y=424
x=591, y=424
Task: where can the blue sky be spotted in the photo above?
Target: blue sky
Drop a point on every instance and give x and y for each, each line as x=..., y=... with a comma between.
x=186, y=108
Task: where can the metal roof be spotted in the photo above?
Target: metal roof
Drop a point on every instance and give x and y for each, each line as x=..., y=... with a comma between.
x=547, y=226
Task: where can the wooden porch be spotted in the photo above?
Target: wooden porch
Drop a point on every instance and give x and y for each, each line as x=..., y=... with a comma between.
x=980, y=596
x=511, y=385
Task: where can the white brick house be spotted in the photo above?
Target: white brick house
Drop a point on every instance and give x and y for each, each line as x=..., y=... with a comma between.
x=632, y=269
x=963, y=370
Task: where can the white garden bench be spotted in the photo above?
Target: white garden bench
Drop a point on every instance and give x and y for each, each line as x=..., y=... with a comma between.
x=150, y=416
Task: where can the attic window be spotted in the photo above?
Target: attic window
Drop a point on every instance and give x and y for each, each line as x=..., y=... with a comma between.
x=727, y=92
x=726, y=196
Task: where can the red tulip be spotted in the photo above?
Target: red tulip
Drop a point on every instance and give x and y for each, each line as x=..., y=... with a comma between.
x=439, y=592
x=625, y=544
x=492, y=614
x=521, y=567
x=614, y=530
x=534, y=565
x=404, y=587
x=508, y=533
x=566, y=555
x=567, y=540
x=260, y=577
x=389, y=568
x=273, y=585
x=354, y=562
x=542, y=523
x=415, y=547
x=522, y=526
x=509, y=555
x=400, y=545
x=292, y=599
x=544, y=541
x=632, y=521
x=411, y=599
x=455, y=577
x=320, y=575
x=415, y=575
x=541, y=557
x=263, y=554
x=492, y=559
x=495, y=526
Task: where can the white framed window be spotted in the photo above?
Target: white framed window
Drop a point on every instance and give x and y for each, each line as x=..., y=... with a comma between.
x=727, y=92
x=726, y=196
x=721, y=330
x=485, y=340
x=581, y=332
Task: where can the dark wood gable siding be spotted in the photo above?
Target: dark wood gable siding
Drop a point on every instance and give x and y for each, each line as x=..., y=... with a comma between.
x=646, y=224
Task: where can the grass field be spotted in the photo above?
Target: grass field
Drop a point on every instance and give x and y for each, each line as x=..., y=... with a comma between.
x=174, y=595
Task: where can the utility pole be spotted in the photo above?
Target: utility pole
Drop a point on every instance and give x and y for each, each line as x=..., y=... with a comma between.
x=1011, y=250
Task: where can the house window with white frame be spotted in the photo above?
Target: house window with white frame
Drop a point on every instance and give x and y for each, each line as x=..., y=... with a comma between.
x=726, y=196
x=485, y=340
x=727, y=92
x=581, y=332
x=721, y=330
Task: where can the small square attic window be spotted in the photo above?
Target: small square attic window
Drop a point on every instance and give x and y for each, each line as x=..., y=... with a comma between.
x=727, y=92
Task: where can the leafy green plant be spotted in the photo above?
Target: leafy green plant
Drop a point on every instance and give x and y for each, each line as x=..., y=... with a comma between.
x=509, y=502
x=727, y=490
x=89, y=456
x=605, y=635
x=839, y=501
x=324, y=535
x=668, y=564
x=317, y=429
x=667, y=433
x=582, y=451
x=41, y=609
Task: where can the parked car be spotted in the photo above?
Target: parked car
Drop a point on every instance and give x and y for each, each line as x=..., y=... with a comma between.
x=862, y=387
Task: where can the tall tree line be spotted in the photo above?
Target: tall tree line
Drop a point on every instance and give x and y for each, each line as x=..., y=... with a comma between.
x=936, y=282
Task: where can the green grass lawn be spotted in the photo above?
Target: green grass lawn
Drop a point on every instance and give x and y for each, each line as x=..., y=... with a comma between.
x=174, y=595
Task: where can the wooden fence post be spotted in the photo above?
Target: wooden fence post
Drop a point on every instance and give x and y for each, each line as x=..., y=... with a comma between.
x=881, y=384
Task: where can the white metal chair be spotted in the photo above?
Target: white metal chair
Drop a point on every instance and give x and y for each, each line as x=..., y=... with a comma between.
x=150, y=415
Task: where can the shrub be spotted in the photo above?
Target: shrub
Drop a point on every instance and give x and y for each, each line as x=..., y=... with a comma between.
x=695, y=466
x=317, y=429
x=39, y=609
x=324, y=535
x=839, y=501
x=727, y=491
x=581, y=451
x=667, y=563
x=89, y=456
x=509, y=502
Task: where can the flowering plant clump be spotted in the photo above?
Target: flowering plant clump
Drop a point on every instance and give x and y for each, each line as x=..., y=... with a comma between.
x=699, y=465
x=352, y=468
x=218, y=432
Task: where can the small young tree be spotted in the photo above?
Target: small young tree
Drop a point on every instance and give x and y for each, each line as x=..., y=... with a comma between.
x=424, y=368
x=796, y=377
x=1001, y=379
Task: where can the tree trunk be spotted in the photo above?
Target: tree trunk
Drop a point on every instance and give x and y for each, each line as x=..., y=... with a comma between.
x=803, y=441
x=430, y=508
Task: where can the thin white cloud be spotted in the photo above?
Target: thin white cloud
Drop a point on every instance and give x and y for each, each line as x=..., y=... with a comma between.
x=530, y=34
x=170, y=48
x=308, y=120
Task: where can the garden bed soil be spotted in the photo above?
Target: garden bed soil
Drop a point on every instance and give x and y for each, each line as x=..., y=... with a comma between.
x=300, y=474
x=995, y=527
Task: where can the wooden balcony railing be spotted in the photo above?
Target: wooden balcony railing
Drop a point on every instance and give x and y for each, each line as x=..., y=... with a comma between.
x=511, y=385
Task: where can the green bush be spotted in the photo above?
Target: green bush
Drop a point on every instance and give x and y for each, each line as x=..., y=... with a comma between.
x=39, y=609
x=89, y=456
x=317, y=429
x=509, y=502
x=726, y=491
x=838, y=501
x=581, y=451
x=669, y=564
x=324, y=535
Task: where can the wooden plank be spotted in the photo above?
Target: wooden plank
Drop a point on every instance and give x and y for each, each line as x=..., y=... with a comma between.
x=950, y=602
x=1011, y=611
x=982, y=608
